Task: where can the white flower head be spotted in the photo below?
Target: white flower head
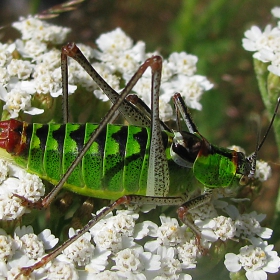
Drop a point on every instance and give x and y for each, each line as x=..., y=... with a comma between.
x=187, y=254
x=33, y=28
x=17, y=181
x=255, y=260
x=263, y=170
x=170, y=265
x=63, y=269
x=183, y=63
x=276, y=12
x=248, y=225
x=127, y=260
x=220, y=227
x=7, y=246
x=81, y=250
x=20, y=68
x=19, y=99
x=114, y=41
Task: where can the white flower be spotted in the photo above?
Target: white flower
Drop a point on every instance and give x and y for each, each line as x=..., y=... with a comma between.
x=48, y=239
x=108, y=239
x=222, y=227
x=106, y=275
x=31, y=246
x=7, y=246
x=5, y=54
x=183, y=63
x=35, y=29
x=18, y=99
x=146, y=228
x=248, y=225
x=30, y=48
x=46, y=62
x=30, y=186
x=98, y=262
x=123, y=222
x=274, y=67
x=10, y=207
x=276, y=12
x=61, y=269
x=81, y=250
x=170, y=266
x=127, y=260
x=263, y=170
x=114, y=41
x=187, y=253
x=20, y=68
x=256, y=39
x=17, y=181
x=4, y=77
x=256, y=260
x=191, y=89
x=170, y=233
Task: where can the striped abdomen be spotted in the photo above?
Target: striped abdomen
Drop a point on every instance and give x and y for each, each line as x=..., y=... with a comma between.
x=116, y=164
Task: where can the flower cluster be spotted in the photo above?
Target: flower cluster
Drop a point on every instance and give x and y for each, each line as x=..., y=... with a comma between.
x=265, y=44
x=31, y=67
x=122, y=248
x=17, y=251
x=15, y=180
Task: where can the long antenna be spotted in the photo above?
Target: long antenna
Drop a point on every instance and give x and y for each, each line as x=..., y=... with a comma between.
x=270, y=125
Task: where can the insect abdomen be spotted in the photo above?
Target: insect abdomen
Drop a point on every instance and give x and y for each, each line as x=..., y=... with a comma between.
x=115, y=164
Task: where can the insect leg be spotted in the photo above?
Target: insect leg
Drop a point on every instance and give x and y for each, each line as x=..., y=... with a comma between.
x=158, y=162
x=182, y=212
x=181, y=107
x=128, y=199
x=158, y=176
x=133, y=115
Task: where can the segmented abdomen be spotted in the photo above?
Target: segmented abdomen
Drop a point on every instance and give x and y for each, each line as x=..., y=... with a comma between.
x=116, y=163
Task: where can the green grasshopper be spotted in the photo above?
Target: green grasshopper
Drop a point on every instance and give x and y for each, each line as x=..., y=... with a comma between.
x=143, y=163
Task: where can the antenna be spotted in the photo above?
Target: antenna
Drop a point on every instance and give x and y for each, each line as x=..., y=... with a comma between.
x=270, y=125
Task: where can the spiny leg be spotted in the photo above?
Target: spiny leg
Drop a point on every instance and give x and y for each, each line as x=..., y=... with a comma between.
x=183, y=210
x=128, y=199
x=182, y=109
x=155, y=63
x=125, y=200
x=130, y=112
x=158, y=178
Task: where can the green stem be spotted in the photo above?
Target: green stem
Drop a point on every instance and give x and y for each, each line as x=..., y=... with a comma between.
x=269, y=85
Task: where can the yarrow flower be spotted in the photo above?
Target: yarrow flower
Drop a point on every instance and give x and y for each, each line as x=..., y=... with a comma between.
x=265, y=44
x=116, y=60
x=255, y=260
x=17, y=181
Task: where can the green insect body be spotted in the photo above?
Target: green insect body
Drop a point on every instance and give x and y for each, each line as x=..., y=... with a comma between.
x=115, y=165
x=217, y=167
x=117, y=162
